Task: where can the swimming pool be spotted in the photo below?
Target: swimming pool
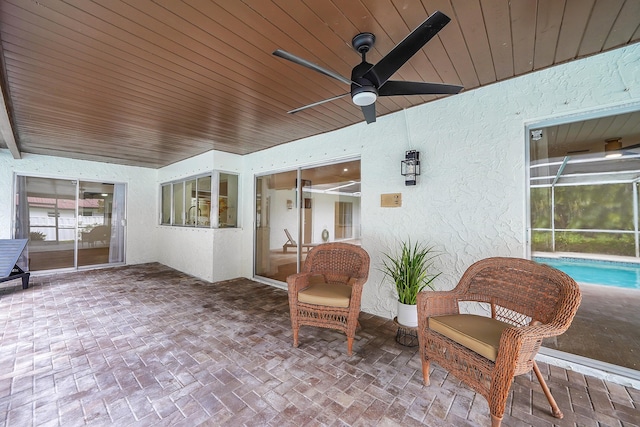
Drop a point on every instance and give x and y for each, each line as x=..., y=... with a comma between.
x=608, y=273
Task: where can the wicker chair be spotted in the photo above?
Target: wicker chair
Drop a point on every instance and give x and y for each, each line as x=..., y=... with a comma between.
x=528, y=302
x=328, y=290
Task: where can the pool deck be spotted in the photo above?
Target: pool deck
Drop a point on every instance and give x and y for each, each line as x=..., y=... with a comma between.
x=595, y=257
x=606, y=327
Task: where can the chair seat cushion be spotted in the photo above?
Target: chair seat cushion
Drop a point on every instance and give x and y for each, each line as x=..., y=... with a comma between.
x=329, y=294
x=480, y=334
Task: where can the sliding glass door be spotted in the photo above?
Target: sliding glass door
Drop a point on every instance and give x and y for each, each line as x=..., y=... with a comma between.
x=46, y=215
x=301, y=208
x=70, y=223
x=100, y=223
x=276, y=225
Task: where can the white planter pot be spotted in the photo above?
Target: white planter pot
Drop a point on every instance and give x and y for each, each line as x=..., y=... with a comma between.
x=408, y=314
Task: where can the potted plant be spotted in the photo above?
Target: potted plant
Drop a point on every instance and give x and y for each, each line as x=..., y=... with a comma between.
x=411, y=269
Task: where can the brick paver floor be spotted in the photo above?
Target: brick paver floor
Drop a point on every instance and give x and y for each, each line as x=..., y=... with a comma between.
x=145, y=345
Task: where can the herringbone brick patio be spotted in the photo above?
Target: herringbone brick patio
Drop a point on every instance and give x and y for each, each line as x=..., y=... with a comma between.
x=146, y=345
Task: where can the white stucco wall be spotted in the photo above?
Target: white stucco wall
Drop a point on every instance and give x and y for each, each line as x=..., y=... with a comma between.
x=470, y=201
x=141, y=194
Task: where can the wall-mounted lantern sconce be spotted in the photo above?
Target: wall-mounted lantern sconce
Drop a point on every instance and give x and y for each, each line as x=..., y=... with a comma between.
x=410, y=167
x=289, y=204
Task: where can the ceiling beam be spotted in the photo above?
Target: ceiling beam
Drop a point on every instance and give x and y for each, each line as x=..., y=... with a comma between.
x=6, y=130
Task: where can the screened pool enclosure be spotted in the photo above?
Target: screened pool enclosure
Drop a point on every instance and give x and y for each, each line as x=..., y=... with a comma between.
x=586, y=203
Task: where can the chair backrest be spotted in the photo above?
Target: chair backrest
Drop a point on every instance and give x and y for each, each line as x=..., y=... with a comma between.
x=293, y=242
x=530, y=290
x=338, y=262
x=100, y=231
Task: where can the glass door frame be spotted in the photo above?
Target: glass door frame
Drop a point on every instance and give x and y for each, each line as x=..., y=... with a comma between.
x=115, y=216
x=77, y=226
x=299, y=202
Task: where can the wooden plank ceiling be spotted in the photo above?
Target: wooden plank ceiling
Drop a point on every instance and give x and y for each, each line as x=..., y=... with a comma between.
x=151, y=83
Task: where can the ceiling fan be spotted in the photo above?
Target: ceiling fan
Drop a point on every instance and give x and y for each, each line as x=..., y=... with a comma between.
x=369, y=81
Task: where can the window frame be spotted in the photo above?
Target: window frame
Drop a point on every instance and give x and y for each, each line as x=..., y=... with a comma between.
x=214, y=194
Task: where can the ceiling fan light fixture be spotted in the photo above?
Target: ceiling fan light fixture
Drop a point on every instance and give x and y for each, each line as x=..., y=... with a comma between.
x=612, y=148
x=364, y=96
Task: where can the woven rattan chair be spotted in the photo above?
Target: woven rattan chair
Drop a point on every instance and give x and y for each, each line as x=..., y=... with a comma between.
x=527, y=302
x=327, y=292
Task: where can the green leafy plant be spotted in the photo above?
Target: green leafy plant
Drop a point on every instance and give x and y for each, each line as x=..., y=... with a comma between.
x=411, y=270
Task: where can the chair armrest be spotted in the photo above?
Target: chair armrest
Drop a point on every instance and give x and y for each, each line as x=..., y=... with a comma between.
x=297, y=282
x=438, y=303
x=541, y=330
x=357, y=284
x=520, y=345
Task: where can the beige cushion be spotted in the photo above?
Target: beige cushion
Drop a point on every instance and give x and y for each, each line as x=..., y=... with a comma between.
x=329, y=294
x=478, y=333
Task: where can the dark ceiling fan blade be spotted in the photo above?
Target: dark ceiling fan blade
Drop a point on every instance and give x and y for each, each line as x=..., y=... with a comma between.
x=393, y=87
x=291, y=57
x=631, y=147
x=369, y=112
x=318, y=103
x=380, y=73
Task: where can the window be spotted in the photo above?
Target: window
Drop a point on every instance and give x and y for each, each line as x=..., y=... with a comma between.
x=188, y=202
x=228, y=200
x=199, y=213
x=166, y=205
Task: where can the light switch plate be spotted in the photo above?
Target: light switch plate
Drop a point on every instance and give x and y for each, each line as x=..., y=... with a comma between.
x=391, y=200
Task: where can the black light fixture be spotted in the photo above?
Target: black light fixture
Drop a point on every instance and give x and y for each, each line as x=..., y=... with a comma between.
x=410, y=167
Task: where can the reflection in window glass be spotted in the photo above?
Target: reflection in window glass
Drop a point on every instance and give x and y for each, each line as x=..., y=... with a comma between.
x=343, y=220
x=178, y=203
x=204, y=201
x=605, y=207
x=166, y=205
x=228, y=200
x=541, y=207
x=541, y=241
x=577, y=216
x=190, y=202
x=595, y=243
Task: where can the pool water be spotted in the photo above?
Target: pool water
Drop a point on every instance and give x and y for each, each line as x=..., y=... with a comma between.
x=608, y=273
